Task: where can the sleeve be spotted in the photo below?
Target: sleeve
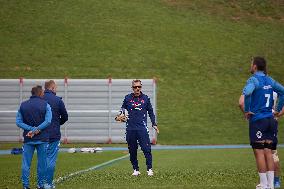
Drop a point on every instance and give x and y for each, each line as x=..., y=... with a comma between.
x=279, y=89
x=63, y=113
x=48, y=118
x=123, y=106
x=20, y=123
x=149, y=108
x=252, y=84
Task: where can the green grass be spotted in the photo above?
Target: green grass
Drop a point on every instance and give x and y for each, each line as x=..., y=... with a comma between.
x=10, y=174
x=200, y=52
x=223, y=168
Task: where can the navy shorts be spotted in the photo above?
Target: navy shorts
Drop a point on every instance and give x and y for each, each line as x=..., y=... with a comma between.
x=262, y=129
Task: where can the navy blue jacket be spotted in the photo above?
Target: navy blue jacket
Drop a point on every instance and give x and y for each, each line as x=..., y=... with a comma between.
x=59, y=114
x=137, y=108
x=33, y=113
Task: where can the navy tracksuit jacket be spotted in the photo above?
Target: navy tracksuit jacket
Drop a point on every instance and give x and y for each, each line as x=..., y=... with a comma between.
x=59, y=115
x=137, y=108
x=136, y=127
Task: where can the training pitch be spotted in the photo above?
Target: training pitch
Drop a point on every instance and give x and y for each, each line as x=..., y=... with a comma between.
x=203, y=168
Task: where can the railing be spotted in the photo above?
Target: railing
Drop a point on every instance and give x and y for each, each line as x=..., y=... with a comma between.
x=92, y=105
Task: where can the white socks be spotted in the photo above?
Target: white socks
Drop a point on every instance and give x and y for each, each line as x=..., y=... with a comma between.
x=267, y=179
x=263, y=179
x=270, y=178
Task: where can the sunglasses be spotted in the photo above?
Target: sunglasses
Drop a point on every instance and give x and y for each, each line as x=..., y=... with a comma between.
x=136, y=87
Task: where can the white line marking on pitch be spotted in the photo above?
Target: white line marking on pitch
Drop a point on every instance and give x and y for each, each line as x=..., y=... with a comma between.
x=61, y=179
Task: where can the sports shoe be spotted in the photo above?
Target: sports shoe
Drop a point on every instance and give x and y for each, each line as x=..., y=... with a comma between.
x=150, y=172
x=277, y=184
x=49, y=186
x=135, y=173
x=259, y=186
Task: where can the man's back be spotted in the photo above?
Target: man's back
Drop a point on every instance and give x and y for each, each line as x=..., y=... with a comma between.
x=262, y=97
x=59, y=114
x=33, y=111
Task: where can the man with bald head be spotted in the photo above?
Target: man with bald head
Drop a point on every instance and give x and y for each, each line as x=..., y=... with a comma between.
x=59, y=117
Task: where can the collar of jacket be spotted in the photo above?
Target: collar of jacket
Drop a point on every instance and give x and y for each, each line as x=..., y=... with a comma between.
x=141, y=94
x=34, y=96
x=260, y=73
x=49, y=91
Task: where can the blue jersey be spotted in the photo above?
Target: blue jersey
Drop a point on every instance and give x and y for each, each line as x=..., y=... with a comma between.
x=259, y=96
x=137, y=108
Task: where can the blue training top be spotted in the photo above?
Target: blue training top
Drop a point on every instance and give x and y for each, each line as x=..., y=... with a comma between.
x=258, y=94
x=137, y=108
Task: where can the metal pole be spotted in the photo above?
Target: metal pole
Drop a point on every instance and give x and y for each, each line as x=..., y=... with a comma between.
x=109, y=109
x=155, y=108
x=65, y=140
x=21, y=83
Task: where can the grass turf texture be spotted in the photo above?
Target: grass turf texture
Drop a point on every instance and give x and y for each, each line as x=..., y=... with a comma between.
x=223, y=168
x=198, y=50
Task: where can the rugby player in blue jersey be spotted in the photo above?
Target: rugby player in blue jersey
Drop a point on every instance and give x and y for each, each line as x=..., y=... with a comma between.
x=137, y=104
x=277, y=115
x=34, y=116
x=258, y=104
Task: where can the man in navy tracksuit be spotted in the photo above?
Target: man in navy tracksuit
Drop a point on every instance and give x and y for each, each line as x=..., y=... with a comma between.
x=33, y=116
x=59, y=117
x=138, y=104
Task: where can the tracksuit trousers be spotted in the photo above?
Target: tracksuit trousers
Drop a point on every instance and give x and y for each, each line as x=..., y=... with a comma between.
x=28, y=152
x=133, y=137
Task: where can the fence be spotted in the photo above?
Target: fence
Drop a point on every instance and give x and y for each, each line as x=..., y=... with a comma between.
x=92, y=105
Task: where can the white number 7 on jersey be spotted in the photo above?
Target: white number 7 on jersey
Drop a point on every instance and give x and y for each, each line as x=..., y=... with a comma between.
x=267, y=100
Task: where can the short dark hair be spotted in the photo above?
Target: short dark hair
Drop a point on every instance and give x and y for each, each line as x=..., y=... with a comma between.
x=36, y=90
x=136, y=81
x=260, y=63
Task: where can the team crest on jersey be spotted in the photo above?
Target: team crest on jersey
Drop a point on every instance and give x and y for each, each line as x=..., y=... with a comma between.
x=259, y=134
x=267, y=87
x=137, y=105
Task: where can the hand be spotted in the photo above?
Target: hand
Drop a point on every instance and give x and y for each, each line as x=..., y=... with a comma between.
x=248, y=115
x=30, y=134
x=281, y=113
x=276, y=115
x=121, y=118
x=156, y=128
x=37, y=132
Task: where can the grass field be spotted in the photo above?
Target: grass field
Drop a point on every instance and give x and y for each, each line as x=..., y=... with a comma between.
x=199, y=51
x=222, y=168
